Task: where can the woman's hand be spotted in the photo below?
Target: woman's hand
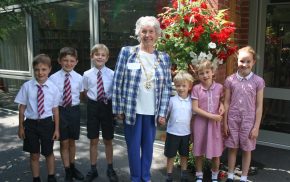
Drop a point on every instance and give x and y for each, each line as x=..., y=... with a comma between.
x=161, y=120
x=120, y=117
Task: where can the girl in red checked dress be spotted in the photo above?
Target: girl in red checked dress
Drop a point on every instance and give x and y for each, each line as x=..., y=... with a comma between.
x=206, y=103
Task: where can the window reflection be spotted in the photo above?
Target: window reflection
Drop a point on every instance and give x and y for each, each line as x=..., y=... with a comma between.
x=276, y=115
x=13, y=49
x=63, y=24
x=277, y=47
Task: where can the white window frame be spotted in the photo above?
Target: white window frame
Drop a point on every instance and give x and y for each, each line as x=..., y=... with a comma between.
x=17, y=74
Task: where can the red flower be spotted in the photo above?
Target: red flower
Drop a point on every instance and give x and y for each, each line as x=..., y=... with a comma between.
x=198, y=18
x=186, y=33
x=195, y=10
x=174, y=4
x=186, y=18
x=203, y=5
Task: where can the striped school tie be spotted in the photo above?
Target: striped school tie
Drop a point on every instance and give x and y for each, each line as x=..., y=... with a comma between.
x=40, y=100
x=100, y=87
x=67, y=98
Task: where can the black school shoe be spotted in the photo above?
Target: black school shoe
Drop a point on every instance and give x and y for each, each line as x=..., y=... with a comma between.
x=68, y=175
x=112, y=175
x=91, y=176
x=51, y=179
x=75, y=173
x=229, y=180
x=184, y=180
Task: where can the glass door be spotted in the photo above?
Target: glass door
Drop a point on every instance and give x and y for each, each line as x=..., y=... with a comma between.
x=274, y=66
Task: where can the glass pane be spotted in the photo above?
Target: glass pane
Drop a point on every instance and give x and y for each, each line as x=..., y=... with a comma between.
x=13, y=49
x=276, y=115
x=117, y=22
x=277, y=47
x=63, y=24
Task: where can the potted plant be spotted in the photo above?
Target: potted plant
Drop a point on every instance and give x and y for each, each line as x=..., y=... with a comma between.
x=192, y=31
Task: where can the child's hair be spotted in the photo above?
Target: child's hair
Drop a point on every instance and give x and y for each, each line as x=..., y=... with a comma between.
x=41, y=58
x=98, y=47
x=183, y=76
x=249, y=49
x=67, y=51
x=205, y=64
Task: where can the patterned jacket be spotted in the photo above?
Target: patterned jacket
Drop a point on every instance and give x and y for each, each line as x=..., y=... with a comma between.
x=126, y=85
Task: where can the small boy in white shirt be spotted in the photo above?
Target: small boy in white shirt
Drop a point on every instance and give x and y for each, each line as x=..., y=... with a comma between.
x=39, y=117
x=178, y=126
x=69, y=83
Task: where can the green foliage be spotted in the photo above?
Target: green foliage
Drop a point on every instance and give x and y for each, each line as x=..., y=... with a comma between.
x=12, y=15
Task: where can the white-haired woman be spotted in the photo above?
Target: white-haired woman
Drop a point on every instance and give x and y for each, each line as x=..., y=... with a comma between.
x=141, y=92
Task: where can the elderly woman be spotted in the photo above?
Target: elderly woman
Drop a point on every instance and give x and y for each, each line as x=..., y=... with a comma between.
x=141, y=92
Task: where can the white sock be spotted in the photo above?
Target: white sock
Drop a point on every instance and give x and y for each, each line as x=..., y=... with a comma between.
x=199, y=175
x=214, y=175
x=230, y=175
x=244, y=178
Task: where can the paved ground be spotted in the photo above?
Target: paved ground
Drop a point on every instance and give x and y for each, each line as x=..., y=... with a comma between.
x=273, y=164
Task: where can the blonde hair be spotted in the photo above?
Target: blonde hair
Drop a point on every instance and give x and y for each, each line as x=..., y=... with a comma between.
x=250, y=50
x=183, y=76
x=98, y=47
x=205, y=64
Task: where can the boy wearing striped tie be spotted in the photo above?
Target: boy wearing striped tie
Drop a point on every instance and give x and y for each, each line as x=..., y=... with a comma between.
x=38, y=117
x=69, y=84
x=97, y=83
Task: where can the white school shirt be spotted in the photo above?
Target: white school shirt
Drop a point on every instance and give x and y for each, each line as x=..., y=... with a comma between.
x=75, y=82
x=90, y=78
x=27, y=96
x=146, y=97
x=180, y=111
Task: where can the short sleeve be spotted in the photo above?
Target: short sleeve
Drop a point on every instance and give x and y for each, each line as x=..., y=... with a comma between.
x=85, y=83
x=260, y=83
x=227, y=83
x=57, y=98
x=21, y=97
x=194, y=92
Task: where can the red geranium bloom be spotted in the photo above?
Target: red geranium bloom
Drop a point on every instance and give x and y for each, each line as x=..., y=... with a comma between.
x=203, y=5
x=186, y=18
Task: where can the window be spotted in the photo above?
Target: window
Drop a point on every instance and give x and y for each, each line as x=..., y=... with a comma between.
x=63, y=24
x=14, y=55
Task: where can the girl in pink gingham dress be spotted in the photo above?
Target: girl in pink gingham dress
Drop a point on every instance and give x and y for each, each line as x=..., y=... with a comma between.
x=207, y=133
x=243, y=111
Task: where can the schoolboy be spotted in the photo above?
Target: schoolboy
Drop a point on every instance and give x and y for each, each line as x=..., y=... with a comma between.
x=178, y=126
x=38, y=117
x=69, y=84
x=97, y=84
